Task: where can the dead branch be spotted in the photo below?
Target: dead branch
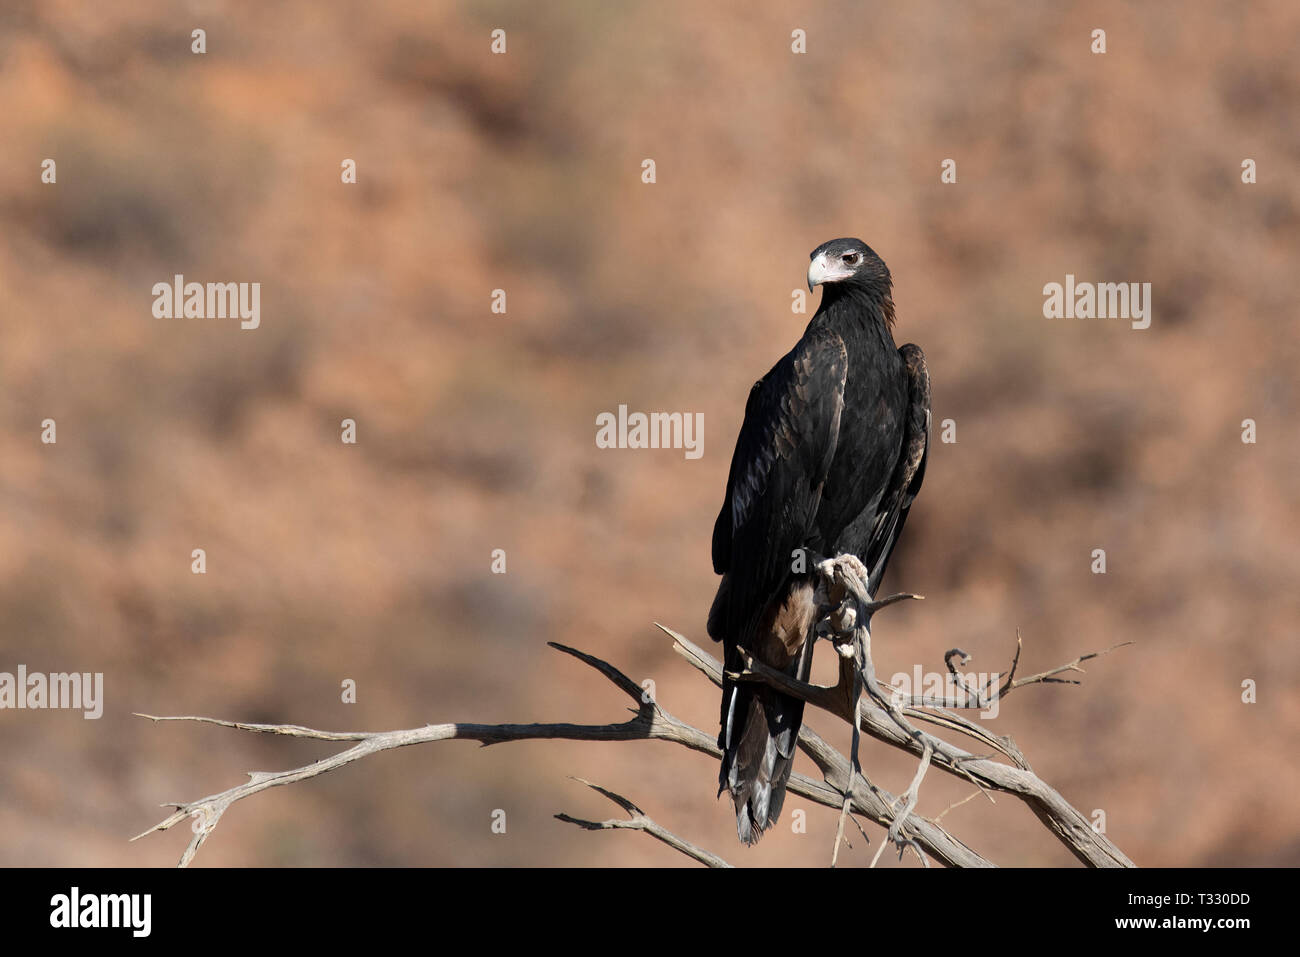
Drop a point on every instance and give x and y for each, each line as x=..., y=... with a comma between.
x=637, y=821
x=649, y=722
x=845, y=618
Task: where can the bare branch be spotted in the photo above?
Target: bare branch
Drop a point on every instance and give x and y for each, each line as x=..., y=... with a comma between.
x=1066, y=823
x=651, y=722
x=1046, y=676
x=868, y=799
x=637, y=821
x=844, y=786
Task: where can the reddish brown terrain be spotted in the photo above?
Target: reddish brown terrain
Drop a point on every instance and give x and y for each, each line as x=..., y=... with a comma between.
x=476, y=430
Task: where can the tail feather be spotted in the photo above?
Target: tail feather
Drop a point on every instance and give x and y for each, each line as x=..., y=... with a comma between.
x=760, y=732
x=760, y=725
x=756, y=764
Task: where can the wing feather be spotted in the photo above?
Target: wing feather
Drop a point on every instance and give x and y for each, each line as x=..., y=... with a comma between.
x=782, y=455
x=909, y=472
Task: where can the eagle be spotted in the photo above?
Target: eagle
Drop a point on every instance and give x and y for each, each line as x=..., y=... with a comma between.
x=829, y=458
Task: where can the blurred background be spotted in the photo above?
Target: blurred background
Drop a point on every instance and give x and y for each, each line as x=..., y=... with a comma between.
x=476, y=431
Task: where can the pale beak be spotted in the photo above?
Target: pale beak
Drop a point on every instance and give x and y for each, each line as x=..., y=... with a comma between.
x=817, y=272
x=821, y=270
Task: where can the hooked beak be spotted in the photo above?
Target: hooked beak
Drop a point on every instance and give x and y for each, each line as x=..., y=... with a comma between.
x=822, y=270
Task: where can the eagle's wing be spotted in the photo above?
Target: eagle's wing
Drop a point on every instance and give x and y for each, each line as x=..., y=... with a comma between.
x=785, y=447
x=909, y=471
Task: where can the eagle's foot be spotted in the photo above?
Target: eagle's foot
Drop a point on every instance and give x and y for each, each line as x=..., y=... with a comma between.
x=843, y=620
x=842, y=587
x=846, y=577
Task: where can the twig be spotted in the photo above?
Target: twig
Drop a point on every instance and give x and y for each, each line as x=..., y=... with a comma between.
x=637, y=821
x=956, y=804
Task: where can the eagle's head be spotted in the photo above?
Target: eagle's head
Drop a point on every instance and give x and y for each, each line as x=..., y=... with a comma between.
x=850, y=262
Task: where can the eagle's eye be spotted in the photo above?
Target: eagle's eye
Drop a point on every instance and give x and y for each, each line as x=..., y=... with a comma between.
x=850, y=259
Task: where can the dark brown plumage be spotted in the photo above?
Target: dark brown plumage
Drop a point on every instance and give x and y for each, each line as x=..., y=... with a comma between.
x=829, y=459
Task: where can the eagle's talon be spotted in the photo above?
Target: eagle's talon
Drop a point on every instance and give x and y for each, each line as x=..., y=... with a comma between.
x=844, y=619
